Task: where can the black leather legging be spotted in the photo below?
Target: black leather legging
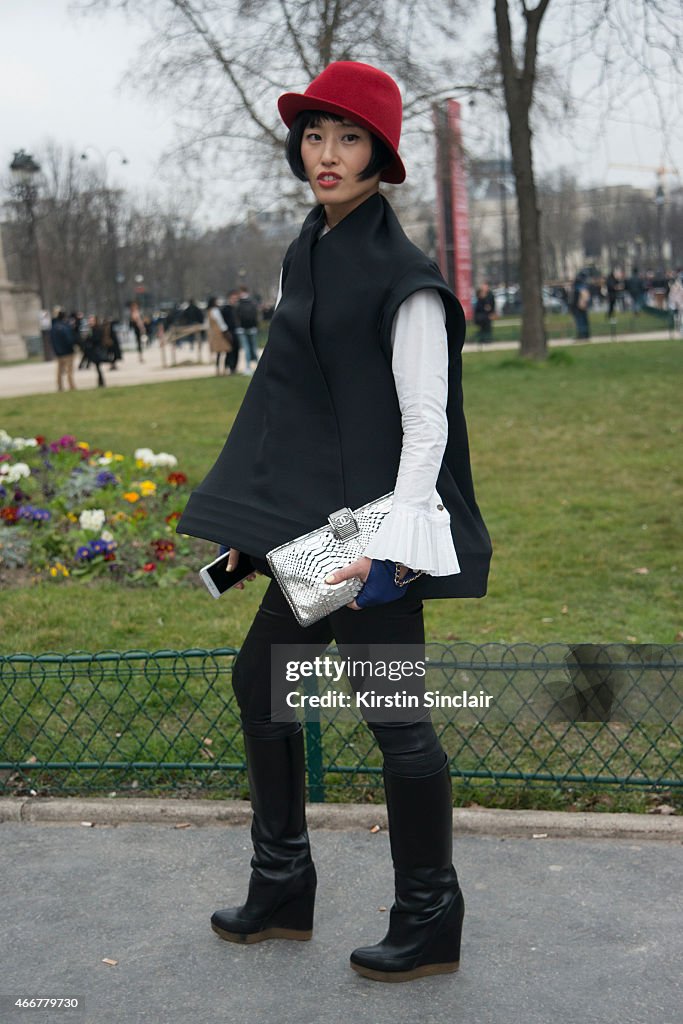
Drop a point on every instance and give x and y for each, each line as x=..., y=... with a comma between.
x=411, y=749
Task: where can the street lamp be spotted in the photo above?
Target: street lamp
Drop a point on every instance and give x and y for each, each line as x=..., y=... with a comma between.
x=115, y=275
x=659, y=204
x=24, y=170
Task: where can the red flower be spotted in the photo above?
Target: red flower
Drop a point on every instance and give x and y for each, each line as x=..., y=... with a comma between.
x=40, y=439
x=177, y=479
x=111, y=557
x=10, y=514
x=149, y=567
x=174, y=516
x=163, y=549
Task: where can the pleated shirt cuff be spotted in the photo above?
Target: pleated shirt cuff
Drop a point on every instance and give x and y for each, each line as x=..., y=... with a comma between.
x=421, y=540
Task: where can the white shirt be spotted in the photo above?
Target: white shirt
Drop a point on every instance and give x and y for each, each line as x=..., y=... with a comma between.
x=416, y=532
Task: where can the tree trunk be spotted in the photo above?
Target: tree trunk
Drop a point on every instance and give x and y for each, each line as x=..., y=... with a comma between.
x=533, y=339
x=518, y=87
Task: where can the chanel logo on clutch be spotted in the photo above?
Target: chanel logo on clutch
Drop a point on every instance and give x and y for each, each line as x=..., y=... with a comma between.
x=343, y=523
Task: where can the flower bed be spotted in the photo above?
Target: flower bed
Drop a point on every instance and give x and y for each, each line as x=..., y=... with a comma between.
x=70, y=510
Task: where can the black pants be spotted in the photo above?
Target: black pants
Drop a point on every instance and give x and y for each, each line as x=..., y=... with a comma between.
x=231, y=357
x=409, y=748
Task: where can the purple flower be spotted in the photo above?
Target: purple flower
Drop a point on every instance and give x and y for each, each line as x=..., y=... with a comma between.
x=105, y=478
x=33, y=514
x=83, y=554
x=3, y=492
x=98, y=547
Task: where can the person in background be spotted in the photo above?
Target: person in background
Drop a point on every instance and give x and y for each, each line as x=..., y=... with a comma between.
x=110, y=343
x=229, y=314
x=247, y=332
x=615, y=290
x=484, y=312
x=137, y=325
x=63, y=344
x=193, y=315
x=660, y=289
x=581, y=300
x=676, y=301
x=634, y=287
x=94, y=350
x=220, y=338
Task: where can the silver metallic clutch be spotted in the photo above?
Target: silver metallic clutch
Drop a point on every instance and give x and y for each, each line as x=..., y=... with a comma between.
x=301, y=565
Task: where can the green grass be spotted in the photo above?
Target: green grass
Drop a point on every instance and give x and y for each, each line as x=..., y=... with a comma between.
x=578, y=474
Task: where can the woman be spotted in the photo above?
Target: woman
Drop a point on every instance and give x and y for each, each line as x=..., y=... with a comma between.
x=220, y=339
x=137, y=325
x=357, y=393
x=94, y=348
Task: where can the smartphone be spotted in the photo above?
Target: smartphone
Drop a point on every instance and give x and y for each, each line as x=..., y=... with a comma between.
x=216, y=578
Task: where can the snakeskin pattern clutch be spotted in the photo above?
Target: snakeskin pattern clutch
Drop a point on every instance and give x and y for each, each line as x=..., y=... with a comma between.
x=301, y=565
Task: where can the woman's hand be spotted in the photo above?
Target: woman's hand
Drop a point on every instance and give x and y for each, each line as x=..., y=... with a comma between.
x=383, y=588
x=359, y=569
x=233, y=559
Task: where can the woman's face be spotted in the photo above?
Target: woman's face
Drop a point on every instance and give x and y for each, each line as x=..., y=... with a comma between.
x=334, y=154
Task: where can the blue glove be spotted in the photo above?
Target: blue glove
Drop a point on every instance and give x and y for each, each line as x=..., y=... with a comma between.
x=379, y=587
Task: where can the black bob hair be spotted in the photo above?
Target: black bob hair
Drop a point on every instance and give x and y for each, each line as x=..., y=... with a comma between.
x=380, y=157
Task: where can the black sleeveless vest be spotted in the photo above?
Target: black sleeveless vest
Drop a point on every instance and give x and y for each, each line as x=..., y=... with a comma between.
x=320, y=424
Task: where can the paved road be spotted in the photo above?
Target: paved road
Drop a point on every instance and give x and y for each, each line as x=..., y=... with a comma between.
x=557, y=931
x=40, y=378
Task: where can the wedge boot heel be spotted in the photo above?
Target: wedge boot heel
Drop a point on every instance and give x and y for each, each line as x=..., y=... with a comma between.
x=440, y=955
x=425, y=923
x=291, y=919
x=281, y=897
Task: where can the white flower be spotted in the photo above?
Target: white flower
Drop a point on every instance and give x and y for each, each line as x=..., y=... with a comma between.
x=15, y=444
x=15, y=472
x=91, y=519
x=164, y=459
x=107, y=536
x=147, y=456
x=144, y=455
x=104, y=460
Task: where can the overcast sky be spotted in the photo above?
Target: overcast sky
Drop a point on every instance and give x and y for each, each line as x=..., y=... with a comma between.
x=69, y=77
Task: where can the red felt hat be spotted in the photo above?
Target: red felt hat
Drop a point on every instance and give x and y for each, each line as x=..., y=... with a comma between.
x=368, y=96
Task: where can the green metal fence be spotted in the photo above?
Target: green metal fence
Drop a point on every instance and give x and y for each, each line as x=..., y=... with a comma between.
x=168, y=721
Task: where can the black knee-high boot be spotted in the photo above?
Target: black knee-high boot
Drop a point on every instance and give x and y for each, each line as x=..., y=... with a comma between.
x=426, y=919
x=283, y=880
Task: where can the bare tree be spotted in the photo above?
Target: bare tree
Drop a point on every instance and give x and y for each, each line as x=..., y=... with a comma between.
x=228, y=60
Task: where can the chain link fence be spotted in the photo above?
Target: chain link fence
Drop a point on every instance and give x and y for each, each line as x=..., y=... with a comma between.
x=167, y=721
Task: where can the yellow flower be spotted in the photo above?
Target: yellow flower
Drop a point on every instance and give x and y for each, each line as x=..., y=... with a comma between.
x=148, y=487
x=109, y=455
x=83, y=444
x=53, y=571
x=71, y=517
x=118, y=517
x=118, y=458
x=131, y=496
x=141, y=464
